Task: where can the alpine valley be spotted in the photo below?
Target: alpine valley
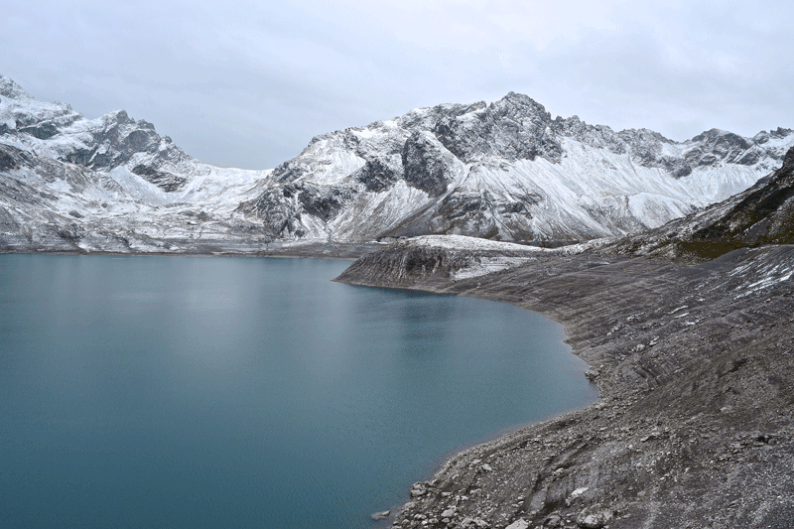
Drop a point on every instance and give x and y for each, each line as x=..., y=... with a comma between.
x=669, y=263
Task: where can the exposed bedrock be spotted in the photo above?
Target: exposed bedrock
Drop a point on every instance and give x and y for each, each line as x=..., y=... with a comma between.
x=695, y=367
x=427, y=164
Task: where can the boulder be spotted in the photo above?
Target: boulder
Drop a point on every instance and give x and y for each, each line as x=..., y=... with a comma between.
x=380, y=515
x=594, y=517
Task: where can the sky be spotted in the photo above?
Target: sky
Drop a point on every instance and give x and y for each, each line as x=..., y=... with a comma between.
x=249, y=83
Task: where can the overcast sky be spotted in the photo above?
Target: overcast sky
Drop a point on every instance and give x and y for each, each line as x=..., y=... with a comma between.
x=248, y=84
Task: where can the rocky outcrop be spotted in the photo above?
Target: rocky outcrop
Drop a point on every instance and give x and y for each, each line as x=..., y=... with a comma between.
x=426, y=165
x=514, y=128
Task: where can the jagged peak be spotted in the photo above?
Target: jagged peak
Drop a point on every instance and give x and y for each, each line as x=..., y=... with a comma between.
x=518, y=101
x=9, y=88
x=117, y=116
x=713, y=134
x=644, y=134
x=777, y=134
x=518, y=96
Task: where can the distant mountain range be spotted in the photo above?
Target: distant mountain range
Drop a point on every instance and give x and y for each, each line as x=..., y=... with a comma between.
x=504, y=171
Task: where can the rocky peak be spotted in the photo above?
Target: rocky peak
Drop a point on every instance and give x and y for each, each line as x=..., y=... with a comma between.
x=514, y=128
x=521, y=107
x=778, y=134
x=118, y=117
x=102, y=144
x=11, y=90
x=426, y=118
x=598, y=136
x=722, y=141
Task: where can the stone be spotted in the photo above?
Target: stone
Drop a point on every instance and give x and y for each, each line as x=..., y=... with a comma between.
x=418, y=489
x=469, y=522
x=518, y=524
x=578, y=492
x=594, y=517
x=552, y=521
x=380, y=515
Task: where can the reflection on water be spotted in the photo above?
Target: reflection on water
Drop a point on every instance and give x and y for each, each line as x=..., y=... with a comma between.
x=213, y=392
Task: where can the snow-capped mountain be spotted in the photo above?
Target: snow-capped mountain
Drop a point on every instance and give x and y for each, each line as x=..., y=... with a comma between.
x=505, y=171
x=110, y=184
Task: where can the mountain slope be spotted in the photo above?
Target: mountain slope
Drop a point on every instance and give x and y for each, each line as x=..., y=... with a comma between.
x=694, y=364
x=68, y=183
x=760, y=215
x=504, y=171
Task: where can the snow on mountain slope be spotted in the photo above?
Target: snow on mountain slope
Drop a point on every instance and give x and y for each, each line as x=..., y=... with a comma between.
x=505, y=171
x=108, y=184
x=760, y=215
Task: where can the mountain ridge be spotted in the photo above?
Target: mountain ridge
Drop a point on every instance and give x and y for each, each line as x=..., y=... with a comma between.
x=454, y=155
x=504, y=171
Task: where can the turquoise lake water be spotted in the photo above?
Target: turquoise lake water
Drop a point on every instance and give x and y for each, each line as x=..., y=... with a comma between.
x=185, y=392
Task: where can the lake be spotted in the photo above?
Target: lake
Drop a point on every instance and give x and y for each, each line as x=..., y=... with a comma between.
x=208, y=392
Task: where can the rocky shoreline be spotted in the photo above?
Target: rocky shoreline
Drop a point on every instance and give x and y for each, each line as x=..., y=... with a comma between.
x=694, y=364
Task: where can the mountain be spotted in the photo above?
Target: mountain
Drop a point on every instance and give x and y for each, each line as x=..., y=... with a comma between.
x=758, y=216
x=504, y=171
x=68, y=183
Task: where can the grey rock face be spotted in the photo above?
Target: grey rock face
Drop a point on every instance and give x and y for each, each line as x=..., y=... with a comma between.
x=513, y=128
x=324, y=204
x=278, y=208
x=9, y=157
x=426, y=165
x=378, y=174
x=167, y=181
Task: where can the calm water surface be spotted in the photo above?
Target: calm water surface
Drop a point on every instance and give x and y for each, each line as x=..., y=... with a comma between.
x=179, y=392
